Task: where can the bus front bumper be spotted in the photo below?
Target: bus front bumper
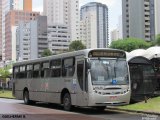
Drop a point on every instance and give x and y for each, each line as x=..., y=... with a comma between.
x=108, y=100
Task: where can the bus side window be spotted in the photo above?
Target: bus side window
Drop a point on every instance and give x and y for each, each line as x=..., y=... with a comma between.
x=36, y=71
x=45, y=71
x=29, y=71
x=56, y=68
x=16, y=72
x=68, y=67
x=22, y=72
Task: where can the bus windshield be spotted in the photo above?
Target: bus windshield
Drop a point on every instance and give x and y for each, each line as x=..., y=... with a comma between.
x=109, y=71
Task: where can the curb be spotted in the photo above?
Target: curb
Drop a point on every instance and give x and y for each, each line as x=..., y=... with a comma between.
x=133, y=111
x=7, y=98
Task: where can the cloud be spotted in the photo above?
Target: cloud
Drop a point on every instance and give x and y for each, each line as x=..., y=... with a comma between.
x=82, y=2
x=38, y=5
x=38, y=8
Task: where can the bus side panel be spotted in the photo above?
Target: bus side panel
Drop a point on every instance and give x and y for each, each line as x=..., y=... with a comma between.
x=68, y=83
x=20, y=84
x=37, y=89
x=19, y=94
x=53, y=89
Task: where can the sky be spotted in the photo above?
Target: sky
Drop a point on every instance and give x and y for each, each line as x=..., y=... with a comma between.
x=114, y=6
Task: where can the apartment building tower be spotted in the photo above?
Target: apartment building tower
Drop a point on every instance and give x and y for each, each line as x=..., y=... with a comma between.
x=138, y=19
x=5, y=7
x=13, y=18
x=0, y=30
x=157, y=16
x=58, y=38
x=94, y=25
x=31, y=39
x=62, y=14
x=17, y=4
x=114, y=35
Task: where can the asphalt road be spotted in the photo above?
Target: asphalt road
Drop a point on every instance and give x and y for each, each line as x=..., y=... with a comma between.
x=17, y=110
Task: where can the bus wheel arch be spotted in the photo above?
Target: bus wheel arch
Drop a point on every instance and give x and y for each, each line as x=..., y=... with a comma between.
x=66, y=99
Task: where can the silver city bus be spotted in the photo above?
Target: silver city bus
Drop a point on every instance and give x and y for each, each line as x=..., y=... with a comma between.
x=91, y=77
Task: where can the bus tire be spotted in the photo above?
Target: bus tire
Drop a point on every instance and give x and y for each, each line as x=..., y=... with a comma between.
x=67, y=102
x=26, y=97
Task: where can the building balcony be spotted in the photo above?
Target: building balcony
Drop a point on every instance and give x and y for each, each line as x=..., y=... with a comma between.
x=147, y=23
x=146, y=3
x=147, y=28
x=147, y=18
x=146, y=8
x=147, y=34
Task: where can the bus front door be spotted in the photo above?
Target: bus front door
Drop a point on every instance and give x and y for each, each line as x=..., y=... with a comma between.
x=82, y=96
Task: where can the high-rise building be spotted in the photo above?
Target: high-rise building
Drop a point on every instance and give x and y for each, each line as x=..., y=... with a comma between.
x=5, y=7
x=114, y=35
x=63, y=12
x=119, y=27
x=0, y=29
x=31, y=39
x=27, y=5
x=138, y=19
x=157, y=16
x=58, y=38
x=94, y=25
x=13, y=18
x=17, y=4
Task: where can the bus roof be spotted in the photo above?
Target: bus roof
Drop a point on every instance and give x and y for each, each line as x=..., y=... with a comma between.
x=67, y=54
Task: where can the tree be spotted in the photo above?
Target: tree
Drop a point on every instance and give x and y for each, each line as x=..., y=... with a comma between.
x=76, y=45
x=46, y=53
x=158, y=39
x=130, y=44
x=4, y=73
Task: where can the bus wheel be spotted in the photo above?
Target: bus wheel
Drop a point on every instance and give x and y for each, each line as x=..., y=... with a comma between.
x=67, y=102
x=26, y=97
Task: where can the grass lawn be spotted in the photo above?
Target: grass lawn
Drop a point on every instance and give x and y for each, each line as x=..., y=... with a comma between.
x=6, y=94
x=152, y=105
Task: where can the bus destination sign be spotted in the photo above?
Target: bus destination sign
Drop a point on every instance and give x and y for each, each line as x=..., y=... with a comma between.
x=108, y=53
